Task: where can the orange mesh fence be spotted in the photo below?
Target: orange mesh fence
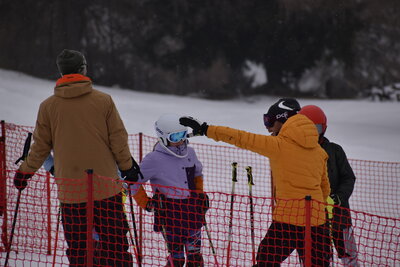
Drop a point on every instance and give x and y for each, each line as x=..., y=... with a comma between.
x=229, y=235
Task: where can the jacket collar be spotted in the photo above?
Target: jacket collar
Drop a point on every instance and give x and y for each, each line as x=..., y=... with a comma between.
x=177, y=150
x=69, y=78
x=73, y=85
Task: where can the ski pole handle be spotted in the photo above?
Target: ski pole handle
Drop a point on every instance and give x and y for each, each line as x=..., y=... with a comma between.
x=234, y=180
x=249, y=175
x=250, y=183
x=234, y=172
x=27, y=146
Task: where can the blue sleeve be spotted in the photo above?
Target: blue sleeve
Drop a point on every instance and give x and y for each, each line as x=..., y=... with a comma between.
x=48, y=163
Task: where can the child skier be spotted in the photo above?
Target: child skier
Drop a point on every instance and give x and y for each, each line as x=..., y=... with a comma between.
x=178, y=201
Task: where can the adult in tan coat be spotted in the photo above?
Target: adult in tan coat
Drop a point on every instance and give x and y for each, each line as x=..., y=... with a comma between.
x=83, y=128
x=299, y=169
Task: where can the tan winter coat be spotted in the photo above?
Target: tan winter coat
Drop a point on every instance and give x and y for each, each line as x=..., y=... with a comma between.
x=298, y=164
x=83, y=128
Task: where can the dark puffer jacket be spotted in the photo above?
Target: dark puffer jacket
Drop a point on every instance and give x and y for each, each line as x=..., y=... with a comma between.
x=342, y=180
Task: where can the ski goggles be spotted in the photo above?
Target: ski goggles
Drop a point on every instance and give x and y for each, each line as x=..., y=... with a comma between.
x=269, y=120
x=176, y=137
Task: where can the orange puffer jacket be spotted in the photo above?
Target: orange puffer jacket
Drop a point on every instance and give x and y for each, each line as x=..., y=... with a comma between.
x=83, y=128
x=298, y=164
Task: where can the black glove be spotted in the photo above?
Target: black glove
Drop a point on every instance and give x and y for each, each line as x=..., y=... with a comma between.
x=336, y=199
x=52, y=170
x=21, y=180
x=205, y=202
x=198, y=127
x=132, y=175
x=151, y=205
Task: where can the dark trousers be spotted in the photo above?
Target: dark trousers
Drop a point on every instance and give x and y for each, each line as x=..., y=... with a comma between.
x=111, y=225
x=281, y=239
x=180, y=240
x=345, y=245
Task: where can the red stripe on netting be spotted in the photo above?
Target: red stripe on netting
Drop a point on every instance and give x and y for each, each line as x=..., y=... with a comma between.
x=3, y=186
x=48, y=213
x=140, y=211
x=307, y=237
x=89, y=218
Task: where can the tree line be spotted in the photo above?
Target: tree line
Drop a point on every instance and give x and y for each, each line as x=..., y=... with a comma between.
x=329, y=48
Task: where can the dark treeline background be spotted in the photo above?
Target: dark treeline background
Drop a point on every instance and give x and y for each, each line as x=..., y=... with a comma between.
x=200, y=47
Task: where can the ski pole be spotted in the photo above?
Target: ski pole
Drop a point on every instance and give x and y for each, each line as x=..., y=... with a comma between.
x=56, y=238
x=329, y=210
x=13, y=227
x=211, y=244
x=25, y=152
x=332, y=241
x=124, y=197
x=234, y=180
x=27, y=146
x=139, y=257
x=250, y=183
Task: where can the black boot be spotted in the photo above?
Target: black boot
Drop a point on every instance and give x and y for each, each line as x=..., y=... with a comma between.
x=175, y=262
x=195, y=260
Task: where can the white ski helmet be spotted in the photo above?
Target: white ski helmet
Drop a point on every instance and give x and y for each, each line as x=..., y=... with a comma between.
x=168, y=127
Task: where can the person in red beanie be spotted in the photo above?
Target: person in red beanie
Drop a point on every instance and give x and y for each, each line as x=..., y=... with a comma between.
x=342, y=180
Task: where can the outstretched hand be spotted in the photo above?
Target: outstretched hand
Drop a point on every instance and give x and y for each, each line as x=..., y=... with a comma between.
x=198, y=127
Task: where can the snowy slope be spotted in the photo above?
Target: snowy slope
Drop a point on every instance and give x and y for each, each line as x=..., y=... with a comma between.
x=366, y=130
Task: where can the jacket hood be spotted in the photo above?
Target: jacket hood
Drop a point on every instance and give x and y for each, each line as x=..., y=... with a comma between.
x=73, y=85
x=300, y=130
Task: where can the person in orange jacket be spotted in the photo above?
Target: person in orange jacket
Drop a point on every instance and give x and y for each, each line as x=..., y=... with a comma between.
x=299, y=169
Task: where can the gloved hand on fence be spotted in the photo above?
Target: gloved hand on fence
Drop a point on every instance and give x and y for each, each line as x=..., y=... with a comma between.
x=151, y=205
x=198, y=127
x=132, y=175
x=21, y=180
x=336, y=199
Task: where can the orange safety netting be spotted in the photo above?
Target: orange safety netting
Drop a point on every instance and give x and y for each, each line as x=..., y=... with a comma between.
x=233, y=230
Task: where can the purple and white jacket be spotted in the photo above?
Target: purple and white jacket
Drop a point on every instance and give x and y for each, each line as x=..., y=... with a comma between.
x=161, y=167
x=171, y=176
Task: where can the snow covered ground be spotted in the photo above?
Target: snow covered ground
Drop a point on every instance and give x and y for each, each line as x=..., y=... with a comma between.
x=366, y=130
